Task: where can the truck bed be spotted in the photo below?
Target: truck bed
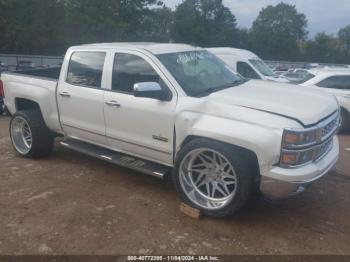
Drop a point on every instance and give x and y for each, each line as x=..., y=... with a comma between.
x=52, y=73
x=39, y=86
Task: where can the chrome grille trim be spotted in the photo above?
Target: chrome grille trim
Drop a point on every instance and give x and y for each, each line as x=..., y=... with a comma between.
x=329, y=126
x=323, y=149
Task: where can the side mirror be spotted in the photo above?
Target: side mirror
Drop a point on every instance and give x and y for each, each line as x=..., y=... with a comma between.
x=150, y=90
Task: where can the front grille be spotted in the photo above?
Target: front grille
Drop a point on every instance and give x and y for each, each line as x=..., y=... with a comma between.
x=323, y=149
x=329, y=128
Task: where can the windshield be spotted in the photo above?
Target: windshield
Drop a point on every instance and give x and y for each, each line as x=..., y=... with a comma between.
x=262, y=67
x=200, y=72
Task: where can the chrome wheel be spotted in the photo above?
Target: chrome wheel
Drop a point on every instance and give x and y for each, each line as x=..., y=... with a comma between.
x=21, y=135
x=208, y=178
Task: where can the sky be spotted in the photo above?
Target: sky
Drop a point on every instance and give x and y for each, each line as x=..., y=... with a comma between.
x=323, y=15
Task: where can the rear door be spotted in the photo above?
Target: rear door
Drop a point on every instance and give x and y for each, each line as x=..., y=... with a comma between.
x=80, y=97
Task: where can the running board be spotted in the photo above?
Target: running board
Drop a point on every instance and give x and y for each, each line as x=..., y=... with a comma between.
x=137, y=164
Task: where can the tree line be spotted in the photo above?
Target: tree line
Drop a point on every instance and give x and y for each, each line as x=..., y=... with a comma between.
x=48, y=27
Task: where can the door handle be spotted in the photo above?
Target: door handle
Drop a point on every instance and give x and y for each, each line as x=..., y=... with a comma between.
x=64, y=94
x=347, y=96
x=112, y=103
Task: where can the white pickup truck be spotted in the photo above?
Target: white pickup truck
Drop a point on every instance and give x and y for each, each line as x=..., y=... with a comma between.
x=179, y=110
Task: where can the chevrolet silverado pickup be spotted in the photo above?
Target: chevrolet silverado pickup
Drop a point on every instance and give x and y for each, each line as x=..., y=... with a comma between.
x=177, y=110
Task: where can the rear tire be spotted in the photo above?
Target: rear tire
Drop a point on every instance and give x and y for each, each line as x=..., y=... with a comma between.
x=29, y=134
x=213, y=177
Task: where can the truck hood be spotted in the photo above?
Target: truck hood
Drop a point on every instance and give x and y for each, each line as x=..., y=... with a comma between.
x=303, y=104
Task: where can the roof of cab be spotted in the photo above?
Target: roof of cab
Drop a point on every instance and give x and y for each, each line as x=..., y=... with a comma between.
x=233, y=51
x=155, y=48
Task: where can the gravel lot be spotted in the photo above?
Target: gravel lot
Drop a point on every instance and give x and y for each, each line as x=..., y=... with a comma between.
x=73, y=204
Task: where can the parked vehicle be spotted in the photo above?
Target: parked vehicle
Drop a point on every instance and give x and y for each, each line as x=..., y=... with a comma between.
x=297, y=75
x=294, y=77
x=178, y=110
x=279, y=73
x=3, y=67
x=25, y=65
x=246, y=63
x=336, y=82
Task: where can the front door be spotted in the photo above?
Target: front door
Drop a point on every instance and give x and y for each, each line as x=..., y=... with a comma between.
x=80, y=97
x=139, y=126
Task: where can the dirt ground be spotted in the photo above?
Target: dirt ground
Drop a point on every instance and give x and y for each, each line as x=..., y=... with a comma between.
x=73, y=204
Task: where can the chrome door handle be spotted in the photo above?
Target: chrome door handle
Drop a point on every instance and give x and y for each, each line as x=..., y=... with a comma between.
x=112, y=103
x=64, y=94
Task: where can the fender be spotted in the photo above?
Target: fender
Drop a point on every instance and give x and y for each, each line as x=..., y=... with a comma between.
x=264, y=142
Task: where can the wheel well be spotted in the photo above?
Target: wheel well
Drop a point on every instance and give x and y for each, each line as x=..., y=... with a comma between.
x=250, y=155
x=25, y=104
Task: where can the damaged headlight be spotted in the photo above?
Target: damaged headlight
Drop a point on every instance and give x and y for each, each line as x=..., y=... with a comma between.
x=302, y=146
x=296, y=139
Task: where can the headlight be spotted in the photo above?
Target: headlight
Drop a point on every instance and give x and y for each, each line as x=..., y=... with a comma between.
x=292, y=158
x=297, y=139
x=297, y=146
x=303, y=146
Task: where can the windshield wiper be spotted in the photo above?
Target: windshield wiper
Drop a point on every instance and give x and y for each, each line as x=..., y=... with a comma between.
x=211, y=90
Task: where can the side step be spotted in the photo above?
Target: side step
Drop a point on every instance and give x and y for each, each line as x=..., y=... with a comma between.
x=138, y=164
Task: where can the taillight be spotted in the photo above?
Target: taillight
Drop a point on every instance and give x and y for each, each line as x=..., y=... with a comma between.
x=2, y=94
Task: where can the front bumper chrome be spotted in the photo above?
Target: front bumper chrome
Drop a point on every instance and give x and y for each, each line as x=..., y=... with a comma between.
x=280, y=183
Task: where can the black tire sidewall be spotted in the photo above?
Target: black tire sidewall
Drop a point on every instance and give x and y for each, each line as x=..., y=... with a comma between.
x=42, y=138
x=240, y=165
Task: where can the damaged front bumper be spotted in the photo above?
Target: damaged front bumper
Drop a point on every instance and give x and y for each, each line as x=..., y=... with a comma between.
x=280, y=183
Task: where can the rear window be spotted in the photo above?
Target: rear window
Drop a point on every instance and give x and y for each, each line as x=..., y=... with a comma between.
x=85, y=69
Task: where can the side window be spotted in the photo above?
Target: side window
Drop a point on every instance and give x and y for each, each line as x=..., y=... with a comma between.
x=131, y=69
x=335, y=82
x=245, y=70
x=85, y=69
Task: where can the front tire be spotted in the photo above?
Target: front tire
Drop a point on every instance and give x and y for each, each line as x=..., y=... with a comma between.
x=29, y=134
x=213, y=177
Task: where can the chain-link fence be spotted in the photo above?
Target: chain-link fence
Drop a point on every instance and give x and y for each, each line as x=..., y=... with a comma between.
x=285, y=65
x=14, y=62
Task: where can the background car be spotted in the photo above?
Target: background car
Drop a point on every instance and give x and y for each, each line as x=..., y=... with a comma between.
x=337, y=82
x=297, y=75
x=3, y=67
x=25, y=65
